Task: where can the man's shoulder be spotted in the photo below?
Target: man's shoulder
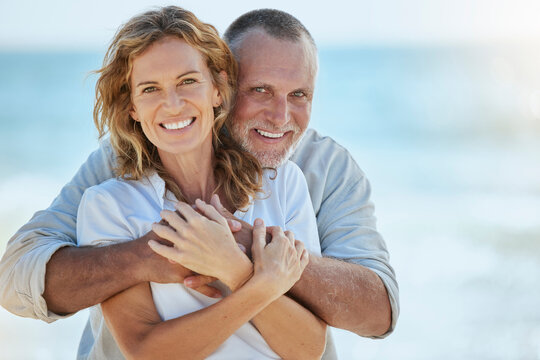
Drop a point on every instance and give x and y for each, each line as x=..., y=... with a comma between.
x=321, y=153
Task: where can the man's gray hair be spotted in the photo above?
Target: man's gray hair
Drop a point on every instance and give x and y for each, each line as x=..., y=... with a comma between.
x=276, y=23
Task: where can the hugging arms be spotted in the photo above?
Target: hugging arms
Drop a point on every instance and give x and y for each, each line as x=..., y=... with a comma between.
x=45, y=275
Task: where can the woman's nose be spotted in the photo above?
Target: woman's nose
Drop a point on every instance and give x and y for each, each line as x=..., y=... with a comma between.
x=174, y=102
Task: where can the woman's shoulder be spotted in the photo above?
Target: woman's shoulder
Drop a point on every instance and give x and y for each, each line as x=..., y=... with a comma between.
x=121, y=189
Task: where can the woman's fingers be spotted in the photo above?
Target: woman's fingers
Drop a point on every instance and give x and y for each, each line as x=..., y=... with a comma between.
x=210, y=212
x=173, y=219
x=166, y=232
x=187, y=211
x=290, y=236
x=259, y=241
x=299, y=246
x=216, y=202
x=168, y=252
x=303, y=254
x=304, y=259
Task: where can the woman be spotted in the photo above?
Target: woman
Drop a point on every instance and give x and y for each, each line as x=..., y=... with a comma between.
x=164, y=94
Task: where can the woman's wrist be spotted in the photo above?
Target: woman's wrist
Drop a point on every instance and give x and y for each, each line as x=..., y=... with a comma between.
x=239, y=274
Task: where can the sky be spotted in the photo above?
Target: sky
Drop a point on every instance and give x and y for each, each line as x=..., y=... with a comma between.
x=68, y=24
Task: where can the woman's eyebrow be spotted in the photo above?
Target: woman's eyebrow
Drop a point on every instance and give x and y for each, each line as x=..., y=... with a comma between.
x=151, y=82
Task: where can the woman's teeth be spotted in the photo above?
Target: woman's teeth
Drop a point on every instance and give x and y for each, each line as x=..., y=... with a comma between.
x=270, y=135
x=178, y=125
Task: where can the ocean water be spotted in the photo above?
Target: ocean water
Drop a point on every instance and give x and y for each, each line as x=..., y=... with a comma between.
x=448, y=136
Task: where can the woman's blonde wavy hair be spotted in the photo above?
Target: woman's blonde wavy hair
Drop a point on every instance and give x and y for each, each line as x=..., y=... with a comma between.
x=237, y=172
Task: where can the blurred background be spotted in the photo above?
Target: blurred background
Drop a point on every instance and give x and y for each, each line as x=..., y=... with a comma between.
x=438, y=101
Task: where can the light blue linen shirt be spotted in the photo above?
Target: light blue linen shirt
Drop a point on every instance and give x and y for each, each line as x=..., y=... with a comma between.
x=338, y=188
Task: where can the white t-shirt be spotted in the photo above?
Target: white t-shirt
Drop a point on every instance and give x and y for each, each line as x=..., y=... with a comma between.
x=121, y=210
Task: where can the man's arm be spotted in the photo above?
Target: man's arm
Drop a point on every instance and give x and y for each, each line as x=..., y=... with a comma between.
x=353, y=286
x=347, y=296
x=79, y=277
x=43, y=274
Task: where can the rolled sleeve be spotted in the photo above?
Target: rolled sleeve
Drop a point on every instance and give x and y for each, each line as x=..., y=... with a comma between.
x=347, y=227
x=26, y=276
x=340, y=193
x=23, y=265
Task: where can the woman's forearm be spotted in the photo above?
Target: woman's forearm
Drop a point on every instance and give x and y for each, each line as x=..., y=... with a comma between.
x=291, y=330
x=141, y=334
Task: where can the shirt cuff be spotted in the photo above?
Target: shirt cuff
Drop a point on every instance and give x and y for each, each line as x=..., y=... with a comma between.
x=31, y=292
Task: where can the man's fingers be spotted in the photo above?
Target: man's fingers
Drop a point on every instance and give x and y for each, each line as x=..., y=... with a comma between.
x=259, y=241
x=234, y=225
x=209, y=291
x=196, y=281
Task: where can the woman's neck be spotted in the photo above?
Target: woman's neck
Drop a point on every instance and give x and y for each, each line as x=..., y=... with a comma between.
x=193, y=173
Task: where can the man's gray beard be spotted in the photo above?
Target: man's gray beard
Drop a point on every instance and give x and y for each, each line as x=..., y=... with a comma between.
x=268, y=159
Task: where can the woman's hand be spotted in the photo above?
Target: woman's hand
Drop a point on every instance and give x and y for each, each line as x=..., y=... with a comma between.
x=279, y=264
x=203, y=243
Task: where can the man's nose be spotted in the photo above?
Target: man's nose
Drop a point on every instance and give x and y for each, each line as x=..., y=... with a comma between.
x=278, y=113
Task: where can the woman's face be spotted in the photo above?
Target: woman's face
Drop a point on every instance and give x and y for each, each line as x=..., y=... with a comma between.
x=173, y=97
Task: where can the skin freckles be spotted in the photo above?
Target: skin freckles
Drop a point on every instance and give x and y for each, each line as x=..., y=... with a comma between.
x=173, y=97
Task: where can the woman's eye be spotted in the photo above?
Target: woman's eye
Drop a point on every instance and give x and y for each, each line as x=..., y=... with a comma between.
x=149, y=89
x=188, y=81
x=298, y=94
x=259, y=89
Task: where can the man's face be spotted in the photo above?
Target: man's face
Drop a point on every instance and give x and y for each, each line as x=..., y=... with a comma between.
x=276, y=81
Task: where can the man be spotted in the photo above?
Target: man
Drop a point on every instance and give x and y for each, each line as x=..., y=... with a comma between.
x=44, y=275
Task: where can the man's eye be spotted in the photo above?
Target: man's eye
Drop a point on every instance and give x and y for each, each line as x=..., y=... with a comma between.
x=298, y=94
x=260, y=89
x=149, y=89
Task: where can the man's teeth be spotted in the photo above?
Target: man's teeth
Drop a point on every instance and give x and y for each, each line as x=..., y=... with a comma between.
x=178, y=125
x=270, y=135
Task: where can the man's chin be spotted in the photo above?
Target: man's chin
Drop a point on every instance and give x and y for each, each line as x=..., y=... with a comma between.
x=270, y=159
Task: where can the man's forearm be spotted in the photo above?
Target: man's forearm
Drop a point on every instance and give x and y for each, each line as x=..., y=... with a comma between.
x=79, y=277
x=346, y=296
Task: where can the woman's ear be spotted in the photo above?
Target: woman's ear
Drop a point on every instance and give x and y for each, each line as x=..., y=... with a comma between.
x=133, y=114
x=217, y=99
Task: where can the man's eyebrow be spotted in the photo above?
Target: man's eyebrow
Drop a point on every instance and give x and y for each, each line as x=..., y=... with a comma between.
x=151, y=82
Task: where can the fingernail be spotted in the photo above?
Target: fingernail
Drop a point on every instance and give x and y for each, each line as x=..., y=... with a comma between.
x=236, y=223
x=216, y=294
x=188, y=282
x=258, y=221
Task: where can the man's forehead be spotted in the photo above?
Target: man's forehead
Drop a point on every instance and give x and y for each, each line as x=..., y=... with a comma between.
x=262, y=57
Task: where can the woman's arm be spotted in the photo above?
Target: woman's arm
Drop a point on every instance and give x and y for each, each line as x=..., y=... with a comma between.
x=290, y=329
x=136, y=325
